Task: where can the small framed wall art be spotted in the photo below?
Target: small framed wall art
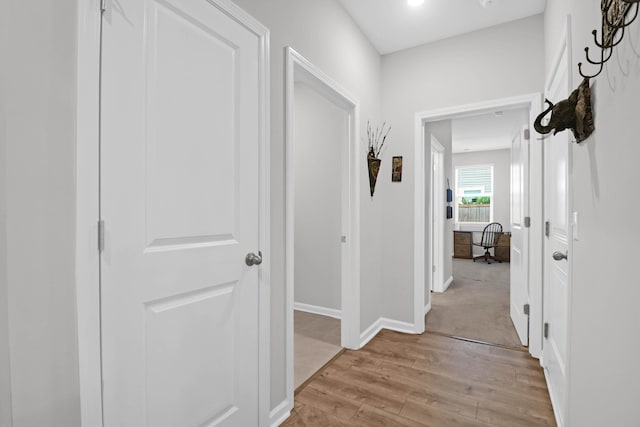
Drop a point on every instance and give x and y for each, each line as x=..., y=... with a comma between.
x=396, y=169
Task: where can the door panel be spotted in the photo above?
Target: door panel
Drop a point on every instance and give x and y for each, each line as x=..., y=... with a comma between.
x=180, y=201
x=557, y=273
x=519, y=269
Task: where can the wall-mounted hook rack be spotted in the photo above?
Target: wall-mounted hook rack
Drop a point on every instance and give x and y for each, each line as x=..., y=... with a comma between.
x=616, y=17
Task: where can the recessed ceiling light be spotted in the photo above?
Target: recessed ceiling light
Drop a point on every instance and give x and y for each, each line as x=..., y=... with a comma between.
x=415, y=2
x=486, y=3
x=498, y=113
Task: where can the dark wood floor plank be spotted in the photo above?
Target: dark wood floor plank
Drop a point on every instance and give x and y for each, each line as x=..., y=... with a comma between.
x=425, y=380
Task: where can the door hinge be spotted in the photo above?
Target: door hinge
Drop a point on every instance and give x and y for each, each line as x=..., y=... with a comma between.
x=343, y=239
x=103, y=6
x=526, y=309
x=547, y=228
x=546, y=330
x=527, y=221
x=433, y=268
x=527, y=134
x=100, y=235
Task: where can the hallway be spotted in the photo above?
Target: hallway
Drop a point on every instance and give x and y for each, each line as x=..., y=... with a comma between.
x=425, y=380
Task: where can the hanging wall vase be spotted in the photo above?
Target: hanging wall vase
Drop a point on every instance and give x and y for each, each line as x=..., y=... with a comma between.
x=374, y=169
x=375, y=142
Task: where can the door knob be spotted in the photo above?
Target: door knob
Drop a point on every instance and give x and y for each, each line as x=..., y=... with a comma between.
x=559, y=256
x=253, y=259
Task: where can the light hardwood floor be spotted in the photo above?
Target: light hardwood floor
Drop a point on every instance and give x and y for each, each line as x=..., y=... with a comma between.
x=425, y=380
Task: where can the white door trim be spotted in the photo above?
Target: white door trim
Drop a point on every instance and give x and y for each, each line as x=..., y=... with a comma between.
x=437, y=205
x=299, y=69
x=531, y=101
x=88, y=197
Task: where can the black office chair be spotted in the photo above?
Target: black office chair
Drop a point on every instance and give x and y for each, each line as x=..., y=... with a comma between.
x=489, y=240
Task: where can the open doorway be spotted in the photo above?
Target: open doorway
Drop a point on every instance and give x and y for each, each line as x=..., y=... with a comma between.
x=322, y=220
x=320, y=135
x=477, y=302
x=487, y=151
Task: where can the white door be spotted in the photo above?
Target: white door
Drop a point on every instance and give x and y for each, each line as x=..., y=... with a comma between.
x=557, y=278
x=180, y=173
x=519, y=268
x=437, y=217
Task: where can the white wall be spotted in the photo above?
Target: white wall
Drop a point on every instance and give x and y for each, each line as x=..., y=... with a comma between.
x=605, y=325
x=325, y=34
x=321, y=131
x=39, y=149
x=5, y=368
x=501, y=200
x=502, y=61
x=443, y=132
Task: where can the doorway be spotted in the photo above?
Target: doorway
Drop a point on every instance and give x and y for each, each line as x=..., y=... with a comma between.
x=527, y=107
x=322, y=218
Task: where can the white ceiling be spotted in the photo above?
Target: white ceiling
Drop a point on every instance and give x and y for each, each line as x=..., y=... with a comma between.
x=487, y=131
x=393, y=25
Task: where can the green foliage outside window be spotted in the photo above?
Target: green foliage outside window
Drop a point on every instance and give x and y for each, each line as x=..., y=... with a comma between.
x=485, y=200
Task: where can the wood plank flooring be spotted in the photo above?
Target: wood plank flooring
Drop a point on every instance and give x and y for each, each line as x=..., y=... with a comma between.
x=425, y=380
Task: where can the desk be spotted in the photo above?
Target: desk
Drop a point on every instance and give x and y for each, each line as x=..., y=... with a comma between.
x=462, y=244
x=503, y=248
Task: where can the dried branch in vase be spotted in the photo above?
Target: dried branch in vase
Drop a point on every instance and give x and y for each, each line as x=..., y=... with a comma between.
x=376, y=139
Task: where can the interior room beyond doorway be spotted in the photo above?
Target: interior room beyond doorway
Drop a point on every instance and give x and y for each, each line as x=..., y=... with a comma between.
x=476, y=304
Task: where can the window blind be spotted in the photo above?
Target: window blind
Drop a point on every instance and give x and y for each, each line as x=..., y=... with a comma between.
x=477, y=177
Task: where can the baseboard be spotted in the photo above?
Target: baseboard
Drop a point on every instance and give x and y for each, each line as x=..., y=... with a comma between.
x=427, y=308
x=384, y=323
x=370, y=332
x=447, y=283
x=322, y=311
x=396, y=325
x=280, y=413
x=554, y=403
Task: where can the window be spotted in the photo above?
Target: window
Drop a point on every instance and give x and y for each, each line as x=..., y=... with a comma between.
x=474, y=194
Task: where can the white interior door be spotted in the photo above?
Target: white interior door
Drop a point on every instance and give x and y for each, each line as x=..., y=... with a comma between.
x=557, y=275
x=519, y=268
x=180, y=172
x=437, y=217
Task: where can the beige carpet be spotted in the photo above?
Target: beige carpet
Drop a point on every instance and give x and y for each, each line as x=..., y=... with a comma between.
x=316, y=341
x=476, y=305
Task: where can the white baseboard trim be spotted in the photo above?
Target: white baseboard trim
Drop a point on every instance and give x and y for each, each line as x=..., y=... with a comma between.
x=447, y=283
x=280, y=413
x=369, y=333
x=396, y=325
x=427, y=308
x=554, y=403
x=384, y=323
x=322, y=311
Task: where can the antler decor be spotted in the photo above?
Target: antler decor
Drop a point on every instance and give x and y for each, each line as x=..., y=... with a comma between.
x=575, y=112
x=572, y=113
x=614, y=17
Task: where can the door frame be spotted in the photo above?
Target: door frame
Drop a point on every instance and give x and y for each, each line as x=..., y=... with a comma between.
x=533, y=102
x=437, y=207
x=299, y=69
x=87, y=257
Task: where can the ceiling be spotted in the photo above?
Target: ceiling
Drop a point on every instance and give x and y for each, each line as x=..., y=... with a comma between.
x=487, y=131
x=393, y=25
